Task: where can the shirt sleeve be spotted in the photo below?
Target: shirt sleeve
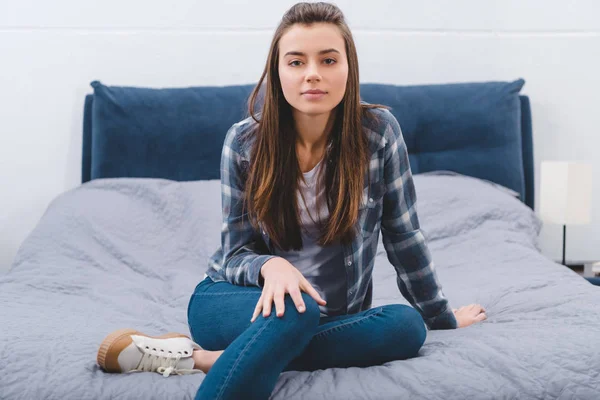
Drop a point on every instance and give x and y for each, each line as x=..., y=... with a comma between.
x=402, y=237
x=243, y=251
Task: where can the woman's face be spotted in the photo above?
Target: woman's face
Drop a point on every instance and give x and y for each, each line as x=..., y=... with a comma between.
x=313, y=58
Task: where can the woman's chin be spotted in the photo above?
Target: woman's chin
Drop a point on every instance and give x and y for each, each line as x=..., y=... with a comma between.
x=313, y=109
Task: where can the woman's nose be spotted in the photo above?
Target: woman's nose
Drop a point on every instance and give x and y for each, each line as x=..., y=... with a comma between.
x=312, y=73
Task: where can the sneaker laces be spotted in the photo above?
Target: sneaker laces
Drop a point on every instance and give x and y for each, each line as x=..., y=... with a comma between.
x=163, y=365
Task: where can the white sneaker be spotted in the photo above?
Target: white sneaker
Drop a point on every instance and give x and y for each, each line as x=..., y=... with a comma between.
x=128, y=350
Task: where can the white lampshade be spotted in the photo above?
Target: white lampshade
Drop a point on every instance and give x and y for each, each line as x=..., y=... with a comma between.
x=566, y=192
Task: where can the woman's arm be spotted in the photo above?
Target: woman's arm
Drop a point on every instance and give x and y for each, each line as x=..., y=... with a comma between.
x=243, y=251
x=402, y=238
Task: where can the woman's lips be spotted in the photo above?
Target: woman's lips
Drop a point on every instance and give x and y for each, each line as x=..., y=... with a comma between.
x=313, y=96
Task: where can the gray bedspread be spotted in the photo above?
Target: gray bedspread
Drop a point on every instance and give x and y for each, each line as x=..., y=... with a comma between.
x=119, y=253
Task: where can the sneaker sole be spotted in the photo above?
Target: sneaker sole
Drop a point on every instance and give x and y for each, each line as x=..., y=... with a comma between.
x=115, y=342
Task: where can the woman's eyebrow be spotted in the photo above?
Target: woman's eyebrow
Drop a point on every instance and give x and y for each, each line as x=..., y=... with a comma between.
x=299, y=53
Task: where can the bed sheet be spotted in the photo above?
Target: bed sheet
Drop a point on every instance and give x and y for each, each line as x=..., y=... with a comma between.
x=116, y=253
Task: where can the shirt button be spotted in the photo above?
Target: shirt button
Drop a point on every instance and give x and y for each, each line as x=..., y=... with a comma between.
x=370, y=200
x=349, y=263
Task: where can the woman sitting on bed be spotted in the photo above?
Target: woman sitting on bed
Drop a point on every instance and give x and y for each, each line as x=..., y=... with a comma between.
x=307, y=184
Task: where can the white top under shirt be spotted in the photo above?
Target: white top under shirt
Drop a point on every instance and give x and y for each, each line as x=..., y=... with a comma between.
x=323, y=267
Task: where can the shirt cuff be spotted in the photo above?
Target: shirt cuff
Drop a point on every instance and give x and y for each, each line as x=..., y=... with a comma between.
x=444, y=320
x=254, y=275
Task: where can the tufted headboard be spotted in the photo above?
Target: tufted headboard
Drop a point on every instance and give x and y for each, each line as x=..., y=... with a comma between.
x=480, y=129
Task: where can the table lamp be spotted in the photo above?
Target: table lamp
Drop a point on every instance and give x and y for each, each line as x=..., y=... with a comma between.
x=566, y=194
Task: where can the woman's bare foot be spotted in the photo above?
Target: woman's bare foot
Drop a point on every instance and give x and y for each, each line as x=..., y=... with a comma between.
x=204, y=359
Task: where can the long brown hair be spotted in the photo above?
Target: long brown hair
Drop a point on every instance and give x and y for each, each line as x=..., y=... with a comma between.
x=272, y=181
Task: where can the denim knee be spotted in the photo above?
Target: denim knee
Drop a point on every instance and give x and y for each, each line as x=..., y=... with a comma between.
x=300, y=325
x=408, y=322
x=418, y=330
x=311, y=313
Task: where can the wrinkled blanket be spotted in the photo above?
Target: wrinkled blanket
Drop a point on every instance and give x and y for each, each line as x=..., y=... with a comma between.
x=118, y=253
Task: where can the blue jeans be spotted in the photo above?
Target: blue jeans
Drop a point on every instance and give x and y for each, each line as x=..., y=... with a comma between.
x=256, y=353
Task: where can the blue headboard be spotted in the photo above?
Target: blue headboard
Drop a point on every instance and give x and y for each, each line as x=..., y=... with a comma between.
x=480, y=129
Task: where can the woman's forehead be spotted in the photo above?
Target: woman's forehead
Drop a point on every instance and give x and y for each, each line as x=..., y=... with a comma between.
x=311, y=40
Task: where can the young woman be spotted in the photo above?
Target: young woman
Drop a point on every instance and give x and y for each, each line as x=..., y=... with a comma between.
x=307, y=184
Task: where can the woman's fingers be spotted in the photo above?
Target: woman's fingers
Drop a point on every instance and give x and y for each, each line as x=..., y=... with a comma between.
x=270, y=295
x=267, y=301
x=257, y=309
x=279, y=303
x=474, y=307
x=278, y=298
x=297, y=299
x=308, y=288
x=478, y=307
x=480, y=317
x=470, y=314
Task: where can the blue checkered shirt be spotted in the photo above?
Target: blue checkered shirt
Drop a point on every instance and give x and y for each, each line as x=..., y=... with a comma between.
x=389, y=206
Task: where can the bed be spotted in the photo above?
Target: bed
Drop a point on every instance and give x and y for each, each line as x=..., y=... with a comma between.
x=127, y=247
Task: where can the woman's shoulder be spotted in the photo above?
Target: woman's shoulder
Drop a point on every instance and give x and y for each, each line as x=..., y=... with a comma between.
x=240, y=136
x=377, y=122
x=377, y=118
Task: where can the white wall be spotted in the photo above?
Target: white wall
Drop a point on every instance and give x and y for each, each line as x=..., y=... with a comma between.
x=50, y=51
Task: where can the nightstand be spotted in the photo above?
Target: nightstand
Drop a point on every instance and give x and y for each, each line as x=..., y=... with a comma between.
x=586, y=268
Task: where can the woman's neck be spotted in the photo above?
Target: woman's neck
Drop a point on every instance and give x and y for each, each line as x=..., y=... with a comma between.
x=312, y=130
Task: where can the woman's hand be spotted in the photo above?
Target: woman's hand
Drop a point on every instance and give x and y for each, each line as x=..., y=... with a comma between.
x=281, y=277
x=470, y=314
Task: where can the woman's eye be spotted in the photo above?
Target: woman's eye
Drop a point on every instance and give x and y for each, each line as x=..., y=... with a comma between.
x=295, y=61
x=329, y=59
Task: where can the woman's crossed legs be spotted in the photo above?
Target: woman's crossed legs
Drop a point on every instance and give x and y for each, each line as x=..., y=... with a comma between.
x=256, y=353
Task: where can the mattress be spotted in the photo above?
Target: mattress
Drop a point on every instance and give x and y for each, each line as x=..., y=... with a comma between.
x=128, y=252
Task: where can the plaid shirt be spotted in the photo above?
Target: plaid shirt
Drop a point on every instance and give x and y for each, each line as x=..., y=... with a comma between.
x=389, y=206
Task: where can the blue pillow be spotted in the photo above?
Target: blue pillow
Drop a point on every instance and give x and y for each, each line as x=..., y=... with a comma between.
x=178, y=133
x=470, y=128
x=171, y=133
